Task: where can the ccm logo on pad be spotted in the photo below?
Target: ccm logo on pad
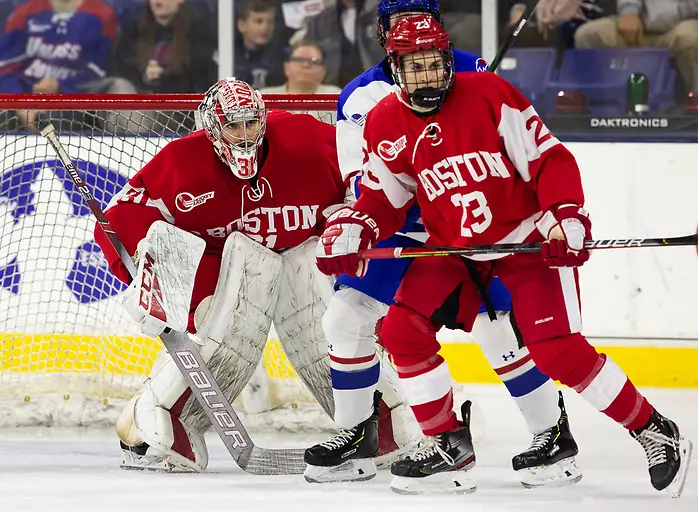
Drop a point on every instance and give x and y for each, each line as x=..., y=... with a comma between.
x=185, y=202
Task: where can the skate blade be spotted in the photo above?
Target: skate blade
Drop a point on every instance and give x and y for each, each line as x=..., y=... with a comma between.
x=675, y=488
x=563, y=472
x=355, y=470
x=148, y=469
x=450, y=482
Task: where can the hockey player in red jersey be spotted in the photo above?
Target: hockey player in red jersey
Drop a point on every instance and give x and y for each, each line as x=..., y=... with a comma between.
x=483, y=167
x=223, y=224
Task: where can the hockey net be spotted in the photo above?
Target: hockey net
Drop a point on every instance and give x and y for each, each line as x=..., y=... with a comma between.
x=69, y=355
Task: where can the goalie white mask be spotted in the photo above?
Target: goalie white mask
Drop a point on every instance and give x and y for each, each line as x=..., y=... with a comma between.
x=234, y=117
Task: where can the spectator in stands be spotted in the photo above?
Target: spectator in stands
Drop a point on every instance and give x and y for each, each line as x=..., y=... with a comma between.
x=259, y=52
x=58, y=46
x=346, y=33
x=554, y=22
x=665, y=23
x=167, y=49
x=305, y=70
x=463, y=22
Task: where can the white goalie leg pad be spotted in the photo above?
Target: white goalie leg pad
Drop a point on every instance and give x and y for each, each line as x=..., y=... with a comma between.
x=232, y=331
x=149, y=418
x=160, y=294
x=534, y=393
x=237, y=318
x=304, y=293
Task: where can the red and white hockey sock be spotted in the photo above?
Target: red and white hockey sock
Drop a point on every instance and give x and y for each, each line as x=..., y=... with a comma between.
x=427, y=386
x=574, y=362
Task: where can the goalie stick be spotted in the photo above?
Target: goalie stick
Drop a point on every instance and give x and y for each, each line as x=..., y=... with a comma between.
x=614, y=243
x=251, y=458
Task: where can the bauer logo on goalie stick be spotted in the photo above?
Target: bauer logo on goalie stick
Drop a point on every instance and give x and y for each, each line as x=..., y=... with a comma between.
x=186, y=202
x=210, y=396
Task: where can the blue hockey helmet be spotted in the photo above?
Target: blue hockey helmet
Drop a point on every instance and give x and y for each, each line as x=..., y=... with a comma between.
x=386, y=8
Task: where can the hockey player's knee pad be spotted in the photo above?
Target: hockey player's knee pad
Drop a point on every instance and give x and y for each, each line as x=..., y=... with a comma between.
x=349, y=323
x=569, y=359
x=497, y=340
x=409, y=337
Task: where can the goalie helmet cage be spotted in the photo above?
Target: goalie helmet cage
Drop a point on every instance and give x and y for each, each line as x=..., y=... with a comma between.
x=69, y=355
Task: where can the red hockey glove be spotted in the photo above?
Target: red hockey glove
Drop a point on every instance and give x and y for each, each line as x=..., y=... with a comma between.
x=346, y=233
x=566, y=228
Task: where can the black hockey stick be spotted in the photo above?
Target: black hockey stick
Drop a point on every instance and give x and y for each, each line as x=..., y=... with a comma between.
x=250, y=458
x=511, y=37
x=619, y=243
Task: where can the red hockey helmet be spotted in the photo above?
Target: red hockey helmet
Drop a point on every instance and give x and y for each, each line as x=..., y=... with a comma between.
x=421, y=59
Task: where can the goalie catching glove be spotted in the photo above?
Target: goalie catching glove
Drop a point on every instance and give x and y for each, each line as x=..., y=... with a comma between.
x=566, y=228
x=347, y=232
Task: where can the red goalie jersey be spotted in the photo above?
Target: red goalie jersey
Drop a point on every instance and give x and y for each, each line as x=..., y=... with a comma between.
x=482, y=169
x=187, y=185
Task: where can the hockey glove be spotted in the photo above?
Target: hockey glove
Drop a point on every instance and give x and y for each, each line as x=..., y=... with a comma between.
x=346, y=233
x=566, y=228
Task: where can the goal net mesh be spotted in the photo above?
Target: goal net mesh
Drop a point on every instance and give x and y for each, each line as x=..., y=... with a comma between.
x=69, y=355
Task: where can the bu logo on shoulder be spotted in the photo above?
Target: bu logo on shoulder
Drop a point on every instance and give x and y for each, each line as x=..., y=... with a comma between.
x=186, y=202
x=389, y=151
x=481, y=65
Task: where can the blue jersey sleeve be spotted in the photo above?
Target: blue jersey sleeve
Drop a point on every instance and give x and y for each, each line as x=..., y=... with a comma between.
x=465, y=61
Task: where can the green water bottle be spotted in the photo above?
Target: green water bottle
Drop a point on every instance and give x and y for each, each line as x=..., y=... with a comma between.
x=638, y=94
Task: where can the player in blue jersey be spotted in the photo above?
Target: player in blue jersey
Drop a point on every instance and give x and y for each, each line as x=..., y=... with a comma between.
x=360, y=303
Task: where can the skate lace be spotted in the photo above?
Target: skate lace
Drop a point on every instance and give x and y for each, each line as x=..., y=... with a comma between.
x=342, y=439
x=540, y=440
x=431, y=446
x=653, y=442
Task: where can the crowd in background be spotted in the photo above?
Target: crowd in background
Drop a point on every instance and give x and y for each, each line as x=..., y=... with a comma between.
x=293, y=46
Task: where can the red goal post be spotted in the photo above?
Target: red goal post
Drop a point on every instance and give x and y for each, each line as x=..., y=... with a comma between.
x=68, y=353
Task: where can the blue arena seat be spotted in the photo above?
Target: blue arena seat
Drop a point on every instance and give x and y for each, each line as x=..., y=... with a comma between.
x=528, y=69
x=602, y=76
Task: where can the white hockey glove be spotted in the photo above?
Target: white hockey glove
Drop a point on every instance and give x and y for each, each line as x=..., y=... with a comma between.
x=160, y=294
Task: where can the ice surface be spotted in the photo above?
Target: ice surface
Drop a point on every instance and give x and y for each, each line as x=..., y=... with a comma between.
x=55, y=470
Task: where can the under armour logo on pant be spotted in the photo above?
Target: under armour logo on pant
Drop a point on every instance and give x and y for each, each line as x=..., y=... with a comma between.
x=508, y=356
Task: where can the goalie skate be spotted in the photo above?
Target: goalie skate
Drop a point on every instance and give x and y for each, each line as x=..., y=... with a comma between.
x=550, y=459
x=143, y=458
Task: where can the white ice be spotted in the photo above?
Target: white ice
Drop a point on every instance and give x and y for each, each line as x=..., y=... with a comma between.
x=55, y=470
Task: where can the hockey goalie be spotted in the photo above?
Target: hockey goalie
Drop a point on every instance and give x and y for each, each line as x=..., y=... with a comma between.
x=222, y=225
